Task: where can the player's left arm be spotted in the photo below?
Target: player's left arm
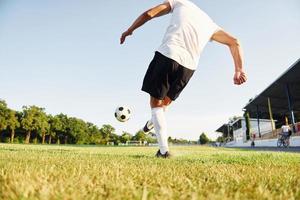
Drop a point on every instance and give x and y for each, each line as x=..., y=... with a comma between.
x=157, y=11
x=236, y=52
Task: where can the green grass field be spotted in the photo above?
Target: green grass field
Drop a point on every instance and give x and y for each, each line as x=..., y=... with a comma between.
x=70, y=172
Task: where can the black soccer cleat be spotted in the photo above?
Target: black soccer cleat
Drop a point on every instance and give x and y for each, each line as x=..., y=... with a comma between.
x=148, y=126
x=166, y=155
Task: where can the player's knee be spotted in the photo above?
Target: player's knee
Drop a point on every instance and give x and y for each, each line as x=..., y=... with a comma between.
x=167, y=101
x=156, y=102
x=157, y=105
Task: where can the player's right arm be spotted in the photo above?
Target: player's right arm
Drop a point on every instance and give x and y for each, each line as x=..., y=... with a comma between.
x=236, y=52
x=157, y=11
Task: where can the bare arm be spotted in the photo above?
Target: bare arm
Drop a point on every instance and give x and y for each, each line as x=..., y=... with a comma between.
x=236, y=52
x=157, y=11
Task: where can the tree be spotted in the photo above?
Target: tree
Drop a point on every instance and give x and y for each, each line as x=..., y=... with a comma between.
x=78, y=130
x=94, y=134
x=248, y=125
x=105, y=132
x=55, y=126
x=12, y=123
x=4, y=112
x=125, y=137
x=140, y=136
x=203, y=139
x=63, y=129
x=220, y=139
x=114, y=138
x=43, y=124
x=30, y=120
x=151, y=138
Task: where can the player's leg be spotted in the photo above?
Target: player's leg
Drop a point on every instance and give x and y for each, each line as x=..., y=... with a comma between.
x=164, y=81
x=166, y=103
x=160, y=125
x=160, y=103
x=155, y=102
x=180, y=78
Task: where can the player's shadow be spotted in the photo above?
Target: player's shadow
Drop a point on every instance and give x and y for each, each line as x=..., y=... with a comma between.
x=139, y=156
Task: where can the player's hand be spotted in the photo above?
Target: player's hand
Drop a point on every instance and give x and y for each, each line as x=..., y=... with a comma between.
x=239, y=77
x=124, y=35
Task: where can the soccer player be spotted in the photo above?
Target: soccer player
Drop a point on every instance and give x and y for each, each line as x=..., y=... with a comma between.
x=177, y=58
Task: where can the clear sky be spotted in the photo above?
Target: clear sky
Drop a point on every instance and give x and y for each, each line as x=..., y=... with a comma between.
x=65, y=56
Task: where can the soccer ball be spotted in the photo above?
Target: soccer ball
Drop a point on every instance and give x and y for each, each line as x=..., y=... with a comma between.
x=122, y=113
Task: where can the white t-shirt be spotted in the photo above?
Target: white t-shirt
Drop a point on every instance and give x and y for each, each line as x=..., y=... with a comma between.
x=188, y=33
x=285, y=128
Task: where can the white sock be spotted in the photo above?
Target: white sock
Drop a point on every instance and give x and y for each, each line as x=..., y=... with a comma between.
x=165, y=110
x=160, y=127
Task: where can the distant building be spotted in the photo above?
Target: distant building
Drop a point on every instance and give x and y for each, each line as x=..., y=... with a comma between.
x=280, y=100
x=236, y=130
x=277, y=105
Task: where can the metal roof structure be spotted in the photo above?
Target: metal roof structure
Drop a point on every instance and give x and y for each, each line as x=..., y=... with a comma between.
x=223, y=129
x=279, y=100
x=283, y=93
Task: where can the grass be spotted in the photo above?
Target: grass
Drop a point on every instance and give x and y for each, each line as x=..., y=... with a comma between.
x=70, y=172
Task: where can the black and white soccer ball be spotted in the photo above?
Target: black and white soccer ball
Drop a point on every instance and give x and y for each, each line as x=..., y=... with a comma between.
x=122, y=113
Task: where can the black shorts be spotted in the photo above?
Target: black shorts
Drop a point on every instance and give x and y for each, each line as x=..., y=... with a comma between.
x=165, y=77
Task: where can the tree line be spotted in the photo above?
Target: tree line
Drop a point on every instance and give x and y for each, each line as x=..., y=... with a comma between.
x=34, y=125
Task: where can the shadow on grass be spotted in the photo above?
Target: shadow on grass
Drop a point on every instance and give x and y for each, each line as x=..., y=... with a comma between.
x=139, y=156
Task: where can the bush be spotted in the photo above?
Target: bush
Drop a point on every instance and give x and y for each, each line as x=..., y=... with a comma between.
x=6, y=140
x=203, y=139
